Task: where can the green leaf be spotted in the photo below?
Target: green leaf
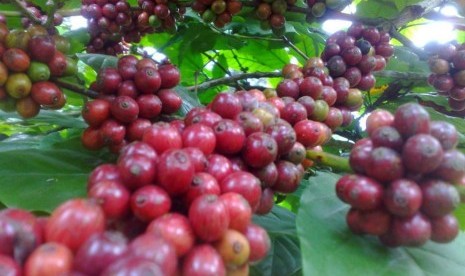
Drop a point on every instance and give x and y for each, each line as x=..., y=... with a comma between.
x=98, y=61
x=284, y=256
x=329, y=248
x=189, y=100
x=377, y=8
x=78, y=39
x=40, y=176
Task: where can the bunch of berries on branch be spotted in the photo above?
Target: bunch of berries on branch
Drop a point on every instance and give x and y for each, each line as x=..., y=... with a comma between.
x=407, y=170
x=28, y=59
x=271, y=14
x=113, y=23
x=320, y=7
x=447, y=65
x=356, y=54
x=41, y=16
x=131, y=96
x=219, y=12
x=310, y=92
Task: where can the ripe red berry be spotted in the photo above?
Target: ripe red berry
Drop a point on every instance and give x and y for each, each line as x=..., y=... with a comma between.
x=162, y=136
x=73, y=222
x=96, y=112
x=164, y=256
x=227, y=105
x=112, y=196
x=150, y=202
x=176, y=229
x=201, y=137
x=99, y=251
x=259, y=150
x=230, y=137
x=203, y=260
x=209, y=217
x=403, y=197
x=125, y=109
x=422, y=153
x=137, y=170
x=259, y=242
x=175, y=171
x=147, y=80
x=245, y=184
x=411, y=119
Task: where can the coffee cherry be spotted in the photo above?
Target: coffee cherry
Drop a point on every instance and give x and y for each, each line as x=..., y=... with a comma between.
x=386, y=165
x=422, y=153
x=112, y=196
x=439, y=198
x=176, y=229
x=201, y=137
x=403, y=198
x=99, y=251
x=412, y=231
x=209, y=217
x=73, y=222
x=363, y=193
x=411, y=119
x=230, y=137
x=203, y=260
x=150, y=202
x=164, y=256
x=175, y=171
x=49, y=259
x=259, y=150
x=444, y=229
x=137, y=170
x=259, y=242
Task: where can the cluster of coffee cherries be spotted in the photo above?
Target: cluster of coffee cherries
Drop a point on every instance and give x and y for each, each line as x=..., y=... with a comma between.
x=320, y=7
x=160, y=15
x=28, y=59
x=356, y=53
x=407, y=170
x=310, y=92
x=113, y=23
x=100, y=236
x=131, y=96
x=447, y=65
x=271, y=14
x=219, y=12
x=39, y=14
x=106, y=20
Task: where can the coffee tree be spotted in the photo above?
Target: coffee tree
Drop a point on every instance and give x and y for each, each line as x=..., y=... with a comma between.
x=228, y=137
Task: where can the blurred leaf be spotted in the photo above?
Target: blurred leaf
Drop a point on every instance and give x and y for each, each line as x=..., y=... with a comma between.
x=329, y=248
x=189, y=100
x=44, y=175
x=284, y=256
x=98, y=61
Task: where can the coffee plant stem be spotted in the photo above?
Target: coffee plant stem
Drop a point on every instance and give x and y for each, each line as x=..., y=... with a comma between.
x=323, y=158
x=297, y=50
x=76, y=88
x=51, y=9
x=25, y=11
x=226, y=80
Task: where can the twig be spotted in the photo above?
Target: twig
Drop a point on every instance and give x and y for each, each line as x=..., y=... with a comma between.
x=297, y=50
x=226, y=80
x=408, y=43
x=328, y=159
x=440, y=108
x=27, y=12
x=76, y=88
x=51, y=9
